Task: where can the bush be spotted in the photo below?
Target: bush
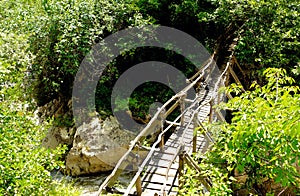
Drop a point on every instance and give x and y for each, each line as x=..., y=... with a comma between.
x=262, y=143
x=24, y=165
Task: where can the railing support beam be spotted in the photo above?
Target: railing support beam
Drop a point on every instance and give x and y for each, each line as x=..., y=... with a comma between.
x=210, y=111
x=180, y=170
x=191, y=163
x=117, y=174
x=196, y=125
x=182, y=107
x=138, y=185
x=162, y=142
x=162, y=119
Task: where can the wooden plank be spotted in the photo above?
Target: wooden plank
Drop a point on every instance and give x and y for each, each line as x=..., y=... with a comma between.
x=200, y=144
x=160, y=163
x=158, y=185
x=187, y=138
x=156, y=178
x=151, y=190
x=162, y=171
x=173, y=166
x=171, y=147
x=163, y=156
x=203, y=114
x=186, y=141
x=163, y=152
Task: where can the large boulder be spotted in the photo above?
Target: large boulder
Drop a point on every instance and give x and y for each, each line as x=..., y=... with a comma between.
x=97, y=147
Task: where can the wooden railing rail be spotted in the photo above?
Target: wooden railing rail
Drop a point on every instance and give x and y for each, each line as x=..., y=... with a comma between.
x=186, y=158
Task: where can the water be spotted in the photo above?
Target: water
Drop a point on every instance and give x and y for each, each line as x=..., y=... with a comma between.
x=89, y=185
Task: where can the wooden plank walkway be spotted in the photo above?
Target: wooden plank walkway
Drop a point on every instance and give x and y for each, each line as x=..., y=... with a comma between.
x=158, y=172
x=166, y=161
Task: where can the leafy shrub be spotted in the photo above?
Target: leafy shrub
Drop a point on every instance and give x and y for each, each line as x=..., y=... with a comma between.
x=24, y=165
x=261, y=143
x=183, y=15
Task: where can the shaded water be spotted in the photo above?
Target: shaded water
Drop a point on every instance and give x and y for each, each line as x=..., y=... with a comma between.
x=89, y=185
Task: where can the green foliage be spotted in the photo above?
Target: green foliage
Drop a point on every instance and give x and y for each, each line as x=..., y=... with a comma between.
x=24, y=165
x=67, y=31
x=262, y=142
x=182, y=15
x=268, y=31
x=145, y=94
x=192, y=185
x=44, y=42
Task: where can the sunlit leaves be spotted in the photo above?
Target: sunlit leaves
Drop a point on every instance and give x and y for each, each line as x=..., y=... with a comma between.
x=66, y=33
x=24, y=165
x=263, y=139
x=268, y=31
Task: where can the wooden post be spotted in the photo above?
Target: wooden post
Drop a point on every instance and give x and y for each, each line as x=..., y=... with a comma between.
x=182, y=107
x=162, y=142
x=138, y=185
x=195, y=141
x=235, y=77
x=196, y=125
x=162, y=119
x=180, y=170
x=211, y=111
x=116, y=176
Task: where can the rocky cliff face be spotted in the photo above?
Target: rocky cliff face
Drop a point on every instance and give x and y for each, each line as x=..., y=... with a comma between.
x=95, y=146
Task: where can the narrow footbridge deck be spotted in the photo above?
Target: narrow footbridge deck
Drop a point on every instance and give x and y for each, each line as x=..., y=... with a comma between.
x=157, y=169
x=161, y=173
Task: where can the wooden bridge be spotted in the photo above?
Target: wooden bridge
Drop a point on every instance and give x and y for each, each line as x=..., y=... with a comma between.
x=157, y=170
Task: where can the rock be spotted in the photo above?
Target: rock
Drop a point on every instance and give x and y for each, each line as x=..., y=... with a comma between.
x=97, y=147
x=62, y=131
x=58, y=135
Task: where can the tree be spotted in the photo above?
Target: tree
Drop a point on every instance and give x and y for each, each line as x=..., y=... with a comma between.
x=66, y=32
x=268, y=32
